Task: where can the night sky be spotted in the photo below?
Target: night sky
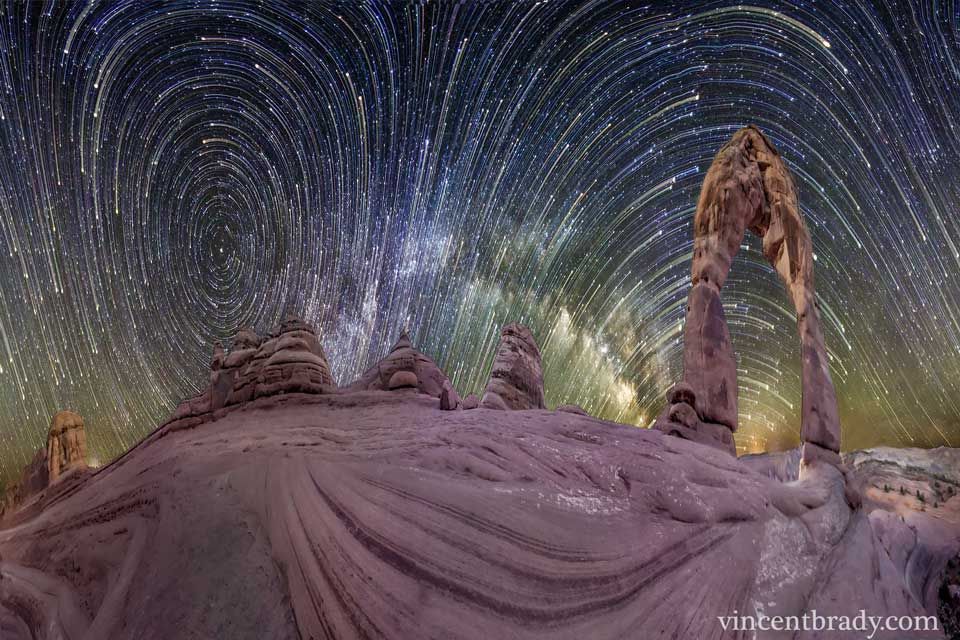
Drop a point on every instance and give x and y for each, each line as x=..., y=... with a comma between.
x=170, y=172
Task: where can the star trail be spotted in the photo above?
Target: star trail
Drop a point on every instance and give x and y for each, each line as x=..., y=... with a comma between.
x=172, y=171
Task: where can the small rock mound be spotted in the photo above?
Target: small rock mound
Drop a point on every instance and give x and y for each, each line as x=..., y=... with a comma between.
x=403, y=368
x=572, y=408
x=516, y=380
x=449, y=398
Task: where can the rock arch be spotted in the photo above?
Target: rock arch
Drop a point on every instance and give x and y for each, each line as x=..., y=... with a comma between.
x=748, y=187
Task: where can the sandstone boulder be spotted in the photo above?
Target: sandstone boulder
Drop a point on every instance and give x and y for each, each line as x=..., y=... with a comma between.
x=65, y=451
x=449, y=398
x=680, y=419
x=471, y=401
x=193, y=407
x=402, y=379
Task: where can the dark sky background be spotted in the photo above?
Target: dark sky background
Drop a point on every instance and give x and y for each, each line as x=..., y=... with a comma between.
x=170, y=172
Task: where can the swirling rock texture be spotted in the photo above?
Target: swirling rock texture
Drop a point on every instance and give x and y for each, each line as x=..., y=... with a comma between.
x=748, y=187
x=516, y=379
x=377, y=514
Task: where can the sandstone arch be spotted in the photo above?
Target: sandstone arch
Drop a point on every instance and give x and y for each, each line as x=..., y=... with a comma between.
x=748, y=187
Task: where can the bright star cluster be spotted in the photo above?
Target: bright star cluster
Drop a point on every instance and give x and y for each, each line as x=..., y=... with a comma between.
x=172, y=171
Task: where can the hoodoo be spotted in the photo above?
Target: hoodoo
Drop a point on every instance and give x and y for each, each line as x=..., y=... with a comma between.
x=289, y=360
x=748, y=187
x=516, y=378
x=64, y=452
x=66, y=444
x=403, y=368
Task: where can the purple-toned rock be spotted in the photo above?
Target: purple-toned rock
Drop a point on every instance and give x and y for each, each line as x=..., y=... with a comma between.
x=711, y=434
x=354, y=517
x=516, y=379
x=221, y=378
x=471, y=401
x=236, y=377
x=404, y=367
x=572, y=408
x=709, y=366
x=684, y=414
x=680, y=419
x=449, y=398
x=288, y=360
x=292, y=361
x=194, y=407
x=682, y=392
x=34, y=478
x=403, y=379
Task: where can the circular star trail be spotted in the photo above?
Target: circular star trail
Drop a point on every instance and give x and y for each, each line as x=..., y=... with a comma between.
x=172, y=171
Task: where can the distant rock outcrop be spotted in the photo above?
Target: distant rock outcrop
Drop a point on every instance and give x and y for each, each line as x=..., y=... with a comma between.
x=65, y=451
x=516, y=379
x=293, y=362
x=748, y=187
x=404, y=367
x=66, y=444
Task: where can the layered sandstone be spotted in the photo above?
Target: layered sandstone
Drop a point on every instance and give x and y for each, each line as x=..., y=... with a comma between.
x=290, y=359
x=516, y=378
x=66, y=444
x=64, y=453
x=404, y=367
x=377, y=514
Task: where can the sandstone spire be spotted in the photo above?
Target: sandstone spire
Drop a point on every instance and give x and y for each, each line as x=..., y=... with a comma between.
x=66, y=444
x=748, y=187
x=516, y=379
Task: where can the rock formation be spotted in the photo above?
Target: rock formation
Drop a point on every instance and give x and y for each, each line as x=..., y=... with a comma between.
x=748, y=187
x=66, y=444
x=572, y=408
x=471, y=401
x=299, y=510
x=65, y=452
x=516, y=379
x=375, y=514
x=33, y=479
x=293, y=361
x=683, y=421
x=403, y=368
x=289, y=360
x=449, y=398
